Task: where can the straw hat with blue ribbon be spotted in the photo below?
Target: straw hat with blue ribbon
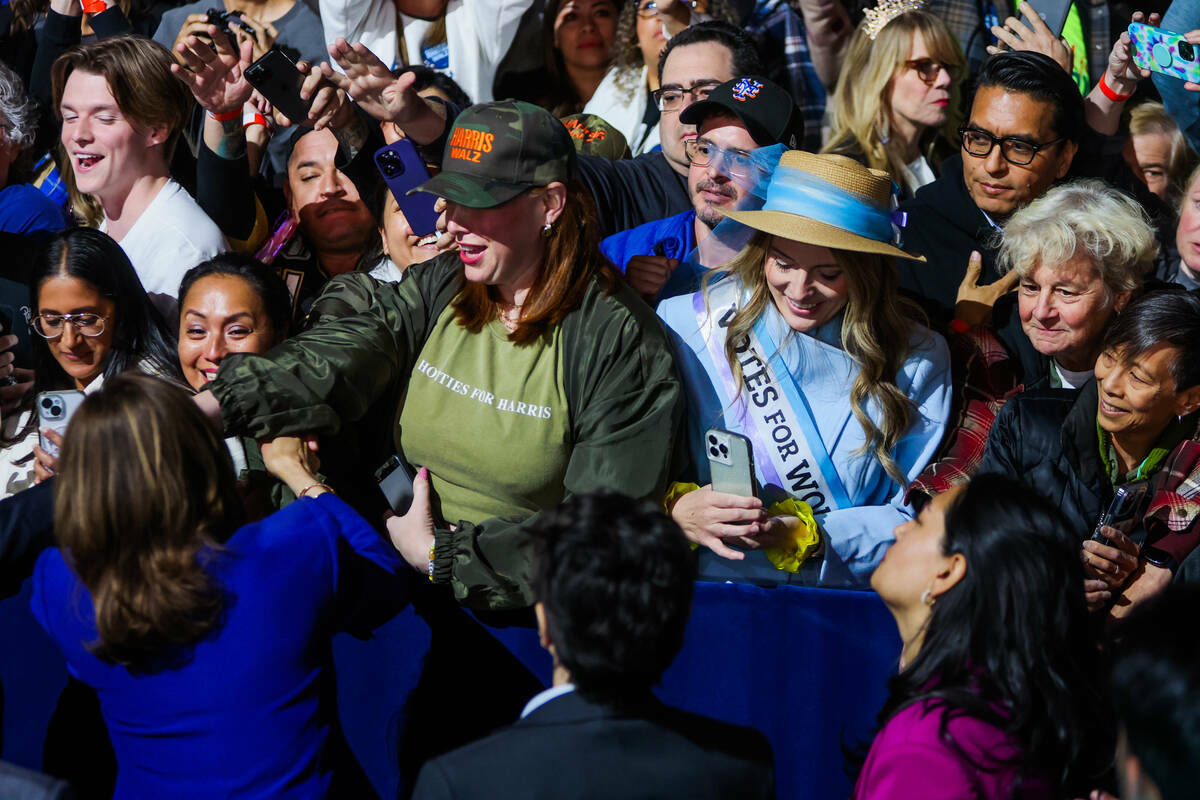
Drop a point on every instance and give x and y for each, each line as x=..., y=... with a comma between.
x=831, y=201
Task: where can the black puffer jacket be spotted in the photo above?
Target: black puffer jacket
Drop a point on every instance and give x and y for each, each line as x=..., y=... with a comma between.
x=1047, y=440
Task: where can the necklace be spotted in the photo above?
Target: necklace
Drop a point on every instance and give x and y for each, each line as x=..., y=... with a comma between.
x=509, y=314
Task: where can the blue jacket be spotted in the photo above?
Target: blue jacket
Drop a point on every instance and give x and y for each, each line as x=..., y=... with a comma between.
x=676, y=235
x=241, y=715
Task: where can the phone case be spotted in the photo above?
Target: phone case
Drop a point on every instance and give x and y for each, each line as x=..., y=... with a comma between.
x=1054, y=13
x=1164, y=52
x=403, y=168
x=277, y=79
x=54, y=412
x=395, y=479
x=729, y=462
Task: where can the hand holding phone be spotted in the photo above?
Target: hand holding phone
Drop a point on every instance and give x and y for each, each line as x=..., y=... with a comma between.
x=395, y=479
x=403, y=169
x=1164, y=52
x=279, y=80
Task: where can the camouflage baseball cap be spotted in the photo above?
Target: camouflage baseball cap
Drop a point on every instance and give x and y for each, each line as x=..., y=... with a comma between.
x=594, y=136
x=498, y=150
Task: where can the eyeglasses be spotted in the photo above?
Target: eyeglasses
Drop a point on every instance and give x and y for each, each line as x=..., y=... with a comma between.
x=928, y=69
x=648, y=10
x=1015, y=151
x=50, y=326
x=735, y=164
x=669, y=100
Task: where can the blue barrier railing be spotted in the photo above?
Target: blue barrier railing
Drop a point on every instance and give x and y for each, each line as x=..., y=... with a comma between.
x=807, y=667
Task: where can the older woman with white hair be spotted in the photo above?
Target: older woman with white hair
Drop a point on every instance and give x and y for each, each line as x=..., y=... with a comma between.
x=1079, y=253
x=23, y=208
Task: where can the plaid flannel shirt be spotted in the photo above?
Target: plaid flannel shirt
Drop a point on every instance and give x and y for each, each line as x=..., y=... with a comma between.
x=983, y=367
x=1175, y=502
x=780, y=29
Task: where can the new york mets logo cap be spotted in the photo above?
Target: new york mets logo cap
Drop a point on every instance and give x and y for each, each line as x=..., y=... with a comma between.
x=497, y=150
x=765, y=108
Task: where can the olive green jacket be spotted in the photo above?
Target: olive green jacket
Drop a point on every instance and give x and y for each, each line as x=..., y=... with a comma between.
x=624, y=398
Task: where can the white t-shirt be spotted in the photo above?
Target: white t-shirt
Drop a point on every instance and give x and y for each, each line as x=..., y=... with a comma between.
x=171, y=236
x=1069, y=379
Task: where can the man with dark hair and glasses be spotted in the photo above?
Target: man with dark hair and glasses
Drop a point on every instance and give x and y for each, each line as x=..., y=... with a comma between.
x=734, y=119
x=1022, y=133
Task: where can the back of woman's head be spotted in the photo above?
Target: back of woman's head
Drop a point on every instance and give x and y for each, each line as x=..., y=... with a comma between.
x=146, y=493
x=139, y=332
x=1009, y=643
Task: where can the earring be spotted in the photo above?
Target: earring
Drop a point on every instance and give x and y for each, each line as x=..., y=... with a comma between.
x=546, y=231
x=927, y=599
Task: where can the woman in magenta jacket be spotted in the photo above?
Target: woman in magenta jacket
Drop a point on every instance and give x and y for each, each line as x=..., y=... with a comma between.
x=994, y=698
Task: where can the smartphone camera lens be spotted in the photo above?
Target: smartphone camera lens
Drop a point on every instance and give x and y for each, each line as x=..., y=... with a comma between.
x=713, y=452
x=47, y=403
x=1186, y=51
x=724, y=451
x=712, y=439
x=390, y=164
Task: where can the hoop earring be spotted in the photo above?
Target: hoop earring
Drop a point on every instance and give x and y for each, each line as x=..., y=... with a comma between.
x=927, y=598
x=546, y=231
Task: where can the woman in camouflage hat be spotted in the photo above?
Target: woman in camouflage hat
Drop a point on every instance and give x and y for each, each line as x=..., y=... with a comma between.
x=518, y=369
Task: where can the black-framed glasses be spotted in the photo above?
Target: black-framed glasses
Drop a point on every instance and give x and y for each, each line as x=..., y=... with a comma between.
x=671, y=98
x=51, y=326
x=1015, y=150
x=650, y=9
x=734, y=164
x=928, y=69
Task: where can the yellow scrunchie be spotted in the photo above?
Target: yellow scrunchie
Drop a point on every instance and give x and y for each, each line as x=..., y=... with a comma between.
x=808, y=537
x=788, y=557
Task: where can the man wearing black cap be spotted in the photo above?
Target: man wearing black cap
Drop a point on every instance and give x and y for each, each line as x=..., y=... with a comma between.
x=738, y=117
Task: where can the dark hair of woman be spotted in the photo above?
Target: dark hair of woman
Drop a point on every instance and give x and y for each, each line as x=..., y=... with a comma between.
x=1010, y=644
x=1169, y=316
x=263, y=280
x=139, y=536
x=572, y=257
x=140, y=335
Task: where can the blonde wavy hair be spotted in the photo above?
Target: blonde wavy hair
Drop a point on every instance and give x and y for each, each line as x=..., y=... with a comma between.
x=876, y=330
x=859, y=110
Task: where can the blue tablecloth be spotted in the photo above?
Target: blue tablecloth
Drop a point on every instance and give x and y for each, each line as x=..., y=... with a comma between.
x=807, y=667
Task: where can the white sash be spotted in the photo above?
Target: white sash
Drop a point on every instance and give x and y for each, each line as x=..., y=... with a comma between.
x=771, y=407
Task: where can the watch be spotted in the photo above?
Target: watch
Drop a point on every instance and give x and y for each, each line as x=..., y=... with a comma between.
x=1160, y=558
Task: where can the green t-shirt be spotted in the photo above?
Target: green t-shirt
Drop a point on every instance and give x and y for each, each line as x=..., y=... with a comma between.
x=489, y=419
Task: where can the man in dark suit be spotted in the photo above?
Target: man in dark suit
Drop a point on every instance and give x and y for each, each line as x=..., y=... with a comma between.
x=613, y=580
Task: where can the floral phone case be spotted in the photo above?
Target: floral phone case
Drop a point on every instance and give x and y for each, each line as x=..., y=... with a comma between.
x=1164, y=52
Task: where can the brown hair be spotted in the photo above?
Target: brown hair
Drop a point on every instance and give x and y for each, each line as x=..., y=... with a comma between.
x=571, y=259
x=138, y=72
x=146, y=494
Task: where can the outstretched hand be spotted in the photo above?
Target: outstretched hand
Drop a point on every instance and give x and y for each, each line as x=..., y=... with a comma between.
x=974, y=303
x=216, y=78
x=369, y=81
x=1031, y=34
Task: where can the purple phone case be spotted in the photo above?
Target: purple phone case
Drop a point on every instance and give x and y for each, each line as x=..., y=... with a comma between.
x=403, y=168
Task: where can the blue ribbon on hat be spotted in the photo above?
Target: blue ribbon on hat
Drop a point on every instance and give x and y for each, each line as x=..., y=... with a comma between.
x=795, y=191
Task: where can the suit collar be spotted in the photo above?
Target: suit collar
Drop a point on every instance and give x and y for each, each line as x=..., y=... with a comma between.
x=573, y=707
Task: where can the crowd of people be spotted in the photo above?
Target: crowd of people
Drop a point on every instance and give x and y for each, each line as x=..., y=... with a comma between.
x=551, y=308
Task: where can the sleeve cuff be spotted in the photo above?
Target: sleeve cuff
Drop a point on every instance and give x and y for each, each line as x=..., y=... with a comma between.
x=443, y=555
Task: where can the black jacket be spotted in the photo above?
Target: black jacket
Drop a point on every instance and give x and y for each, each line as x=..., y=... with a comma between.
x=1047, y=440
x=572, y=748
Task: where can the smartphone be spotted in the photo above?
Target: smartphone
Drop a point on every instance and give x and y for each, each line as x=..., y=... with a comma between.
x=1053, y=13
x=402, y=169
x=395, y=479
x=277, y=79
x=54, y=412
x=1164, y=52
x=1123, y=509
x=729, y=462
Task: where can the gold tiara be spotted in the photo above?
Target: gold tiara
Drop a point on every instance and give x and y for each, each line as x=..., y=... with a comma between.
x=877, y=18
